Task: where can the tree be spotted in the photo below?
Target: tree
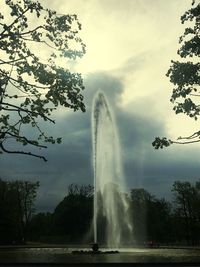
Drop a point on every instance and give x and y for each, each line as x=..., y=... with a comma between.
x=187, y=202
x=34, y=41
x=16, y=209
x=73, y=215
x=159, y=226
x=185, y=76
x=140, y=199
x=25, y=195
x=151, y=217
x=40, y=226
x=70, y=221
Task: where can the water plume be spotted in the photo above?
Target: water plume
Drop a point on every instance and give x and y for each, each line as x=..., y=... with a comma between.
x=112, y=224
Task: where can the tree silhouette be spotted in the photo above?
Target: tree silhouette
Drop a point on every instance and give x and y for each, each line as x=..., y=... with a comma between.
x=73, y=215
x=17, y=200
x=34, y=41
x=187, y=200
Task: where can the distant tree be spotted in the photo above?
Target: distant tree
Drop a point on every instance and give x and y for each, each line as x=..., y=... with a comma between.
x=151, y=217
x=8, y=227
x=73, y=215
x=159, y=223
x=139, y=202
x=40, y=226
x=25, y=194
x=80, y=190
x=70, y=221
x=34, y=79
x=185, y=75
x=187, y=203
x=16, y=209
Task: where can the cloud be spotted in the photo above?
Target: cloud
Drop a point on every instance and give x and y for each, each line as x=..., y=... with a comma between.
x=106, y=82
x=129, y=48
x=71, y=162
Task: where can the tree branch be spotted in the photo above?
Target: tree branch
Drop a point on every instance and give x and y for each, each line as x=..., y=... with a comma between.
x=28, y=32
x=41, y=41
x=2, y=62
x=30, y=142
x=15, y=21
x=29, y=84
x=195, y=94
x=26, y=94
x=185, y=143
x=25, y=110
x=21, y=152
x=194, y=135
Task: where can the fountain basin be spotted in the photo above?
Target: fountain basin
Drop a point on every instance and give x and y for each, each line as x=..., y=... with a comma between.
x=95, y=252
x=41, y=256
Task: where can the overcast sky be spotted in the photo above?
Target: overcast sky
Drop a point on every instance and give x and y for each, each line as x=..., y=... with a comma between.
x=130, y=44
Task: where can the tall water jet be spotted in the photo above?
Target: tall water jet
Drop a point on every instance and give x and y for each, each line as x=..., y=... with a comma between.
x=110, y=202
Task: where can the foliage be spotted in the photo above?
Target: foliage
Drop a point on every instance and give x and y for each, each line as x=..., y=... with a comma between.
x=146, y=213
x=34, y=41
x=153, y=219
x=40, y=226
x=161, y=143
x=16, y=209
x=139, y=202
x=187, y=203
x=185, y=76
x=73, y=216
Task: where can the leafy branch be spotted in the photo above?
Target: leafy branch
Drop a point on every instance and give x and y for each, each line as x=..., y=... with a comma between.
x=23, y=75
x=185, y=76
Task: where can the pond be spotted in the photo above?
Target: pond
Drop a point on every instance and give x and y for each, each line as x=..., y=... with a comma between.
x=65, y=255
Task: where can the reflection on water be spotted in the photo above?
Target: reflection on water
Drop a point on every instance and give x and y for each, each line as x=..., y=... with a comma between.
x=60, y=255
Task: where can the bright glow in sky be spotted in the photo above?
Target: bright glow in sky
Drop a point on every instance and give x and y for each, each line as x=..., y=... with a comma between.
x=133, y=40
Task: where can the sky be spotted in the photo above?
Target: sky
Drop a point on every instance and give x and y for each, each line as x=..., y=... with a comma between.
x=129, y=45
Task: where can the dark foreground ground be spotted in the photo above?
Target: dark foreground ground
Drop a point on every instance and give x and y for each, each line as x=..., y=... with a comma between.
x=101, y=264
x=63, y=256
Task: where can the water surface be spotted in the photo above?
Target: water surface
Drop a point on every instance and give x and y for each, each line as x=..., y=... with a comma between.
x=64, y=255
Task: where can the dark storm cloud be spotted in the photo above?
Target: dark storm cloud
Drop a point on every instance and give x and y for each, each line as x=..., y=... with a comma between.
x=71, y=162
x=155, y=170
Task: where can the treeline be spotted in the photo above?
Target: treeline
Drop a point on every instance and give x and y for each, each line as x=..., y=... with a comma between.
x=154, y=219
x=175, y=222
x=71, y=220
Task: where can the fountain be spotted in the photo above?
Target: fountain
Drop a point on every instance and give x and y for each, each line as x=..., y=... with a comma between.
x=111, y=221
x=110, y=210
x=110, y=201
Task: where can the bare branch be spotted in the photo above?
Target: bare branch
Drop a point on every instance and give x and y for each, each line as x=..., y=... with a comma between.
x=41, y=41
x=195, y=95
x=2, y=62
x=31, y=31
x=194, y=135
x=185, y=143
x=22, y=152
x=10, y=109
x=17, y=87
x=30, y=142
